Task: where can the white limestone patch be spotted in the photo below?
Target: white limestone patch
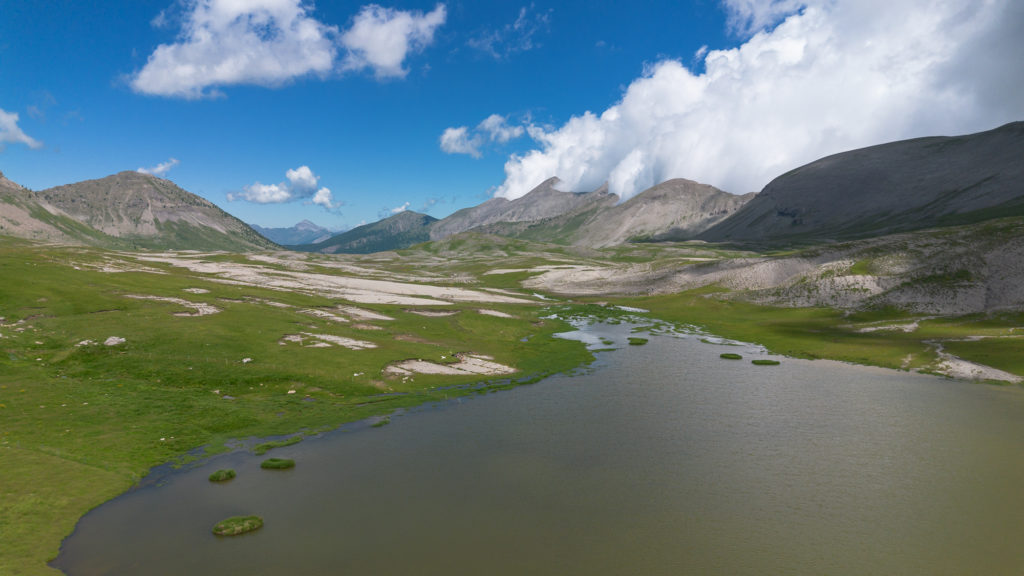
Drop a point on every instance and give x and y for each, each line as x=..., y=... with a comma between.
x=114, y=341
x=908, y=328
x=325, y=341
x=957, y=367
x=199, y=308
x=495, y=313
x=362, y=326
x=468, y=364
x=352, y=289
x=196, y=290
x=432, y=313
x=324, y=314
x=363, y=313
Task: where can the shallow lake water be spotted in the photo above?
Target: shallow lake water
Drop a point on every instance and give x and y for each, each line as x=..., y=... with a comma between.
x=658, y=459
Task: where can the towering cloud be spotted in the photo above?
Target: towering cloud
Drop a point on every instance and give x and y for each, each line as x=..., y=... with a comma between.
x=832, y=75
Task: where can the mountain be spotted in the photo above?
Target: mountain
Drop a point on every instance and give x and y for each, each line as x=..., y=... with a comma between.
x=675, y=209
x=894, y=187
x=399, y=231
x=125, y=210
x=543, y=202
x=304, y=232
x=672, y=210
x=5, y=183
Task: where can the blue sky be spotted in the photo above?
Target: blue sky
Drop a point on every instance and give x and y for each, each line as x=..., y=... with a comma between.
x=342, y=112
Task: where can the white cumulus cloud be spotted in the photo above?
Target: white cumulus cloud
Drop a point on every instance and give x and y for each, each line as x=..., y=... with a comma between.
x=323, y=198
x=460, y=141
x=301, y=184
x=499, y=130
x=10, y=133
x=381, y=38
x=302, y=178
x=838, y=74
x=161, y=168
x=225, y=42
x=400, y=209
x=463, y=140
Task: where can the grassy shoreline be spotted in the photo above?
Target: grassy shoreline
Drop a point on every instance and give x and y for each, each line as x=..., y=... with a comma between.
x=82, y=422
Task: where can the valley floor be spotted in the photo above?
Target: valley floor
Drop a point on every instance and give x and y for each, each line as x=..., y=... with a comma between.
x=112, y=363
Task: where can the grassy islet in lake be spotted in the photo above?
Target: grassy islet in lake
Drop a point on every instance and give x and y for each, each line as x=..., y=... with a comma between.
x=277, y=464
x=237, y=525
x=222, y=475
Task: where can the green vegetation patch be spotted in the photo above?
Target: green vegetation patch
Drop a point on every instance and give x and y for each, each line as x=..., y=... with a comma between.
x=277, y=464
x=222, y=475
x=730, y=356
x=237, y=525
x=765, y=362
x=382, y=422
x=798, y=332
x=1002, y=353
x=634, y=341
x=263, y=448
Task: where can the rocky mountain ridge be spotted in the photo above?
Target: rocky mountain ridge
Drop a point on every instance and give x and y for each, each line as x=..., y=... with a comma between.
x=673, y=209
x=124, y=210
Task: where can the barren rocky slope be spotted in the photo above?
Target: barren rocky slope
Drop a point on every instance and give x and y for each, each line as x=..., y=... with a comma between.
x=976, y=268
x=23, y=217
x=894, y=187
x=675, y=208
x=543, y=202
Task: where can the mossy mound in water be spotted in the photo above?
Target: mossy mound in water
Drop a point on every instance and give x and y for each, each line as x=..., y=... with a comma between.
x=277, y=463
x=637, y=341
x=730, y=356
x=237, y=525
x=765, y=362
x=222, y=475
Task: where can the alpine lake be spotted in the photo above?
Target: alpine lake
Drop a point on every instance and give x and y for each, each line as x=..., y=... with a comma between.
x=660, y=458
